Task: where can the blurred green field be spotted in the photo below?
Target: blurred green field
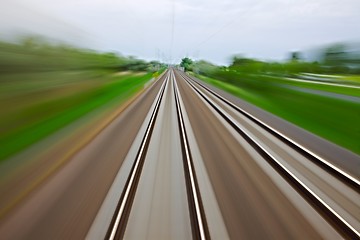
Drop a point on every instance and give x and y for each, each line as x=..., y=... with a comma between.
x=31, y=113
x=331, y=112
x=46, y=86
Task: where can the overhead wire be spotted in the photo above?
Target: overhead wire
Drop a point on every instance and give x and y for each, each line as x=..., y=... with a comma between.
x=172, y=30
x=214, y=33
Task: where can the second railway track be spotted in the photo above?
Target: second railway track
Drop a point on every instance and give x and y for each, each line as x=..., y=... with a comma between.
x=343, y=226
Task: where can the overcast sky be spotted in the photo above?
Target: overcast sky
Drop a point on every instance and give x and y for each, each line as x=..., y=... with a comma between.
x=201, y=29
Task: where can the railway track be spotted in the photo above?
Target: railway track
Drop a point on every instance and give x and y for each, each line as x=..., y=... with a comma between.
x=345, y=225
x=120, y=218
x=198, y=218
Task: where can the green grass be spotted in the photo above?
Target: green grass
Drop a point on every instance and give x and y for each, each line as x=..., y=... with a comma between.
x=30, y=123
x=353, y=78
x=331, y=118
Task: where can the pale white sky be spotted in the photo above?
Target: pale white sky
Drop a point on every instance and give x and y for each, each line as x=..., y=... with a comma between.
x=203, y=29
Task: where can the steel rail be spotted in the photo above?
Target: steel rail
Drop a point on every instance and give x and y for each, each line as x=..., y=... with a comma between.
x=338, y=222
x=197, y=214
x=122, y=212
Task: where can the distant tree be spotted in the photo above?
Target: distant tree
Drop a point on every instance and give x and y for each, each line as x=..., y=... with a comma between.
x=335, y=54
x=341, y=58
x=295, y=56
x=246, y=65
x=203, y=67
x=239, y=60
x=186, y=64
